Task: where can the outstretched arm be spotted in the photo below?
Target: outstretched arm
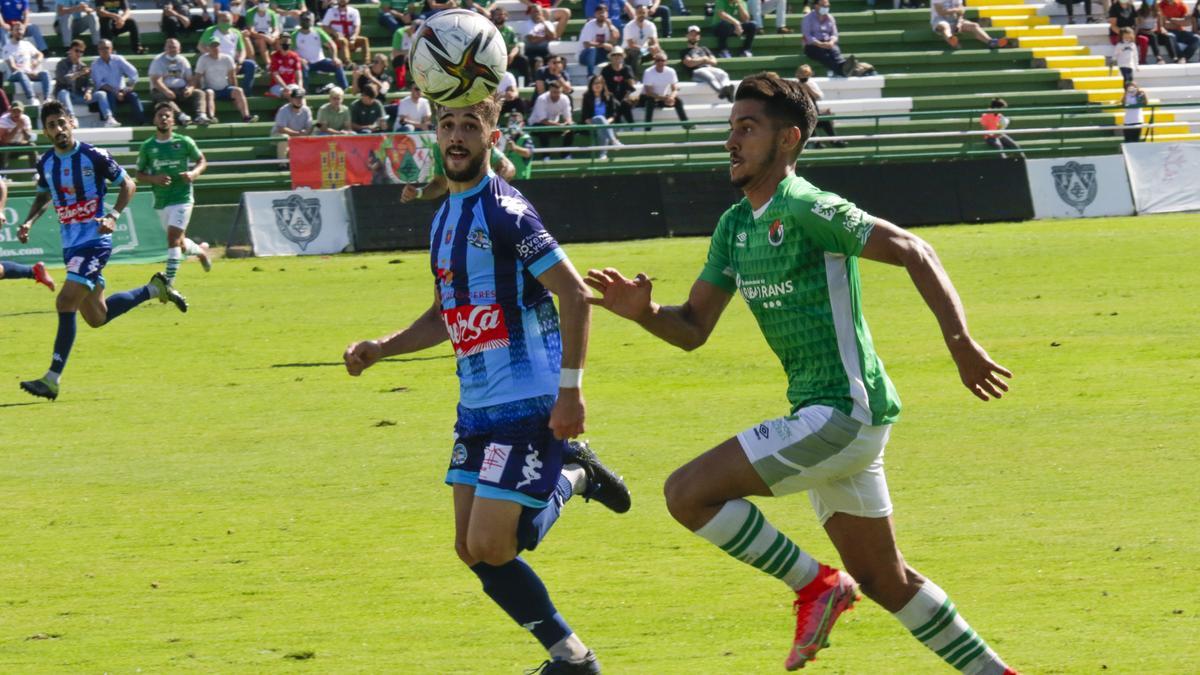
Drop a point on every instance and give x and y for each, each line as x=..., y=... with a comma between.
x=686, y=326
x=895, y=246
x=427, y=331
x=575, y=319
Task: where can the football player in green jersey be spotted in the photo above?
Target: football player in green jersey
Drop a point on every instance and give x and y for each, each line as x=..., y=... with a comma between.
x=163, y=163
x=792, y=252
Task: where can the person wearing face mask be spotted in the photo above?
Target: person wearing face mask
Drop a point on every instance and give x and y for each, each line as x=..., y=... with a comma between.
x=820, y=32
x=1134, y=100
x=293, y=119
x=1123, y=15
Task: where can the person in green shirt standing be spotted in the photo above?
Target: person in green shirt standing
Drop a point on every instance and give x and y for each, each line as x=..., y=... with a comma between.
x=263, y=28
x=792, y=250
x=163, y=162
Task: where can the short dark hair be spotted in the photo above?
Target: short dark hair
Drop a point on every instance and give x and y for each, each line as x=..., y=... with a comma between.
x=169, y=105
x=51, y=108
x=998, y=103
x=786, y=102
x=80, y=44
x=369, y=89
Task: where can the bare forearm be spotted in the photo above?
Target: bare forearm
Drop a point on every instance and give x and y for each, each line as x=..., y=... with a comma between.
x=427, y=331
x=38, y=207
x=128, y=188
x=575, y=324
x=673, y=324
x=935, y=287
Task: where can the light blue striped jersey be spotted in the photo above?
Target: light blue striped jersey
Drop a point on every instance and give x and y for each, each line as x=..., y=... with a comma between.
x=77, y=182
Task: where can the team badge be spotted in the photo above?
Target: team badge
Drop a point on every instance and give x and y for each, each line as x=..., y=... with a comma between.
x=479, y=238
x=298, y=218
x=458, y=456
x=775, y=234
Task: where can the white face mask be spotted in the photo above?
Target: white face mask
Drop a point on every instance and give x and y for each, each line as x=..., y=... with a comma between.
x=823, y=11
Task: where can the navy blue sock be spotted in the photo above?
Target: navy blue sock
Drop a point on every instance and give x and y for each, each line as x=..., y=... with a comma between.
x=63, y=341
x=535, y=524
x=522, y=595
x=14, y=270
x=119, y=303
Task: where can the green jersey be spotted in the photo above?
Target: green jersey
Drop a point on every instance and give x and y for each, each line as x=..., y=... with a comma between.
x=169, y=158
x=730, y=7
x=796, y=265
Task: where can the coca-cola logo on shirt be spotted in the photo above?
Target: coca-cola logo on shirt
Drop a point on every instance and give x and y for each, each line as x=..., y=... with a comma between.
x=475, y=328
x=79, y=212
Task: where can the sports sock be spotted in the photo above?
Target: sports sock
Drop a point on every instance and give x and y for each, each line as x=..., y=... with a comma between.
x=63, y=341
x=119, y=303
x=14, y=270
x=522, y=595
x=191, y=248
x=576, y=476
x=174, y=257
x=932, y=618
x=742, y=531
x=570, y=648
x=535, y=524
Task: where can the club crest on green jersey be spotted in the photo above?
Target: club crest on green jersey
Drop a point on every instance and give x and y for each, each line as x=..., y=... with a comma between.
x=775, y=234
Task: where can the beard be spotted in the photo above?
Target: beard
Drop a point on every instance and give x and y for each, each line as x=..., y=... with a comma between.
x=473, y=169
x=749, y=175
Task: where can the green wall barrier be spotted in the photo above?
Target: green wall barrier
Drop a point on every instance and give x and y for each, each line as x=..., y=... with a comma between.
x=139, y=236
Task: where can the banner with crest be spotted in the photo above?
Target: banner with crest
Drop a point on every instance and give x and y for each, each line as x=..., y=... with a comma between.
x=327, y=162
x=1079, y=187
x=301, y=222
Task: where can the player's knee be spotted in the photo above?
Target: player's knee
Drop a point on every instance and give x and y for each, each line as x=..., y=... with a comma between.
x=494, y=552
x=680, y=497
x=464, y=554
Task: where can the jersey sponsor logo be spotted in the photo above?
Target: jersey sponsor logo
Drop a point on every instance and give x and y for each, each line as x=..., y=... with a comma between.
x=495, y=458
x=534, y=244
x=775, y=234
x=479, y=238
x=759, y=289
x=475, y=328
x=531, y=471
x=826, y=208
x=79, y=212
x=858, y=224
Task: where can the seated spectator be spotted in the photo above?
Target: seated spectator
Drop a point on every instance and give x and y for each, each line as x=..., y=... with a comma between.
x=289, y=12
x=994, y=120
x=804, y=75
x=755, y=7
x=114, y=79
x=517, y=63
x=730, y=18
x=550, y=10
x=229, y=39
x=286, y=66
x=294, y=118
x=1175, y=19
x=413, y=112
x=599, y=35
x=16, y=131
x=377, y=73
x=616, y=10
x=171, y=80
x=1125, y=55
x=820, y=32
x=333, y=118
x=1133, y=100
x=75, y=17
x=17, y=11
x=640, y=37
x=116, y=18
x=434, y=6
x=178, y=17
x=700, y=64
x=1150, y=24
x=1123, y=15
x=367, y=115
x=1070, y=7
x=311, y=44
x=654, y=9
x=541, y=33
x=73, y=78
x=263, y=28
x=660, y=88
x=24, y=63
x=600, y=109
x=622, y=84
x=345, y=25
x=555, y=70
x=401, y=42
x=946, y=17
x=395, y=14
x=517, y=147
x=216, y=75
x=553, y=109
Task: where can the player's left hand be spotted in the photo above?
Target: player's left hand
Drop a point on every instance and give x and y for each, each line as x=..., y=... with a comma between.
x=23, y=233
x=566, y=419
x=107, y=224
x=979, y=373
x=188, y=176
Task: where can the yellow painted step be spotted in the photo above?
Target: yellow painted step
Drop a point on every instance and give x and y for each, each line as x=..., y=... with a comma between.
x=1078, y=73
x=1172, y=138
x=1098, y=83
x=1016, y=10
x=1007, y=21
x=1048, y=52
x=990, y=3
x=1035, y=31
x=1105, y=95
x=1172, y=130
x=1159, y=115
x=1088, y=61
x=1061, y=41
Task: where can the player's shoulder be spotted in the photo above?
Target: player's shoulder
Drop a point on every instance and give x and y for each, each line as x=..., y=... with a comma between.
x=805, y=201
x=503, y=203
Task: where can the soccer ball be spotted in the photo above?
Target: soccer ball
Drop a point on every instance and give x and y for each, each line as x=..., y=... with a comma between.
x=457, y=58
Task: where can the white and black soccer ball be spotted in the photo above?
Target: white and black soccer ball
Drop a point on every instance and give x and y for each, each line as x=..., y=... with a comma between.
x=457, y=58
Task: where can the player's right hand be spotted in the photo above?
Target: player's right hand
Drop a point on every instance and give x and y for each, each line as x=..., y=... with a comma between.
x=23, y=233
x=361, y=355
x=408, y=194
x=163, y=180
x=628, y=298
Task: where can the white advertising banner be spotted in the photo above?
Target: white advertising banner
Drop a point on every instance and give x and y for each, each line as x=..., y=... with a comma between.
x=1163, y=176
x=297, y=222
x=1079, y=187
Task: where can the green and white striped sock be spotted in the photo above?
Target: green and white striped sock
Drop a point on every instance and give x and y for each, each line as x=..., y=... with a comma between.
x=742, y=531
x=174, y=257
x=933, y=619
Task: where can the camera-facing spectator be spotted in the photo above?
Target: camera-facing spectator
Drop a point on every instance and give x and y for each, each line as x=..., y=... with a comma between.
x=1151, y=25
x=700, y=64
x=286, y=66
x=640, y=37
x=401, y=42
x=555, y=70
x=729, y=19
x=377, y=73
x=946, y=18
x=660, y=89
x=518, y=146
x=820, y=32
x=75, y=17
x=600, y=108
x=16, y=131
x=1125, y=55
x=517, y=63
x=289, y=12
x=509, y=95
x=333, y=118
x=553, y=109
x=804, y=75
x=17, y=11
x=994, y=120
x=550, y=10
x=622, y=84
x=1122, y=14
x=1070, y=7
x=182, y=16
x=367, y=115
x=263, y=28
x=216, y=75
x=310, y=44
x=1134, y=101
x=541, y=33
x=171, y=80
x=654, y=10
x=294, y=118
x=73, y=78
x=231, y=44
x=116, y=18
x=345, y=25
x=598, y=37
x=1176, y=21
x=413, y=112
x=114, y=79
x=24, y=63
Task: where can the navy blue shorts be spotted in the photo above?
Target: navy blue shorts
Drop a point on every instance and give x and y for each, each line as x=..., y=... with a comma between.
x=85, y=263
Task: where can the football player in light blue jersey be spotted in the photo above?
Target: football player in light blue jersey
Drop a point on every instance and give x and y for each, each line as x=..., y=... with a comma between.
x=520, y=372
x=74, y=176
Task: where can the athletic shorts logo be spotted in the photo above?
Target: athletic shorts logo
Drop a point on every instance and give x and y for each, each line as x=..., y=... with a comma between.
x=530, y=472
x=458, y=456
x=74, y=263
x=775, y=234
x=495, y=458
x=475, y=328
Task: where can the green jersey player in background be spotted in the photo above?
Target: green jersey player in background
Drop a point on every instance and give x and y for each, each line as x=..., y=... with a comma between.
x=792, y=251
x=163, y=162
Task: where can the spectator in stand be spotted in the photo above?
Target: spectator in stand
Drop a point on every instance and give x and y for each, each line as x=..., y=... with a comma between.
x=549, y=10
x=541, y=33
x=517, y=63
x=640, y=37
x=232, y=45
x=333, y=118
x=518, y=147
x=1175, y=20
x=755, y=7
x=17, y=11
x=946, y=17
x=1133, y=100
x=263, y=28
x=289, y=12
x=345, y=25
x=553, y=109
x=616, y=10
x=700, y=64
x=1123, y=15
x=216, y=75
x=820, y=32
x=401, y=41
x=395, y=14
x=730, y=18
x=73, y=78
x=24, y=63
x=114, y=79
x=509, y=95
x=804, y=76
x=116, y=18
x=170, y=80
x=377, y=73
x=654, y=9
x=310, y=44
x=177, y=18
x=413, y=112
x=660, y=89
x=286, y=66
x=75, y=17
x=1070, y=7
x=599, y=36
x=554, y=71
x=1150, y=24
x=294, y=118
x=1125, y=55
x=367, y=115
x=600, y=109
x=994, y=120
x=621, y=83
x=16, y=131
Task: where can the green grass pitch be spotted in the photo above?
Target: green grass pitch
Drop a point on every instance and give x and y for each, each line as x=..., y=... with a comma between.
x=213, y=493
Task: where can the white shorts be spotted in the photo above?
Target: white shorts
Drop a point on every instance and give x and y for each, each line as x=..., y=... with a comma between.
x=176, y=215
x=834, y=457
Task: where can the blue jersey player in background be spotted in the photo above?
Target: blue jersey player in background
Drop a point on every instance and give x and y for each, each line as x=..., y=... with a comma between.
x=520, y=372
x=74, y=177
